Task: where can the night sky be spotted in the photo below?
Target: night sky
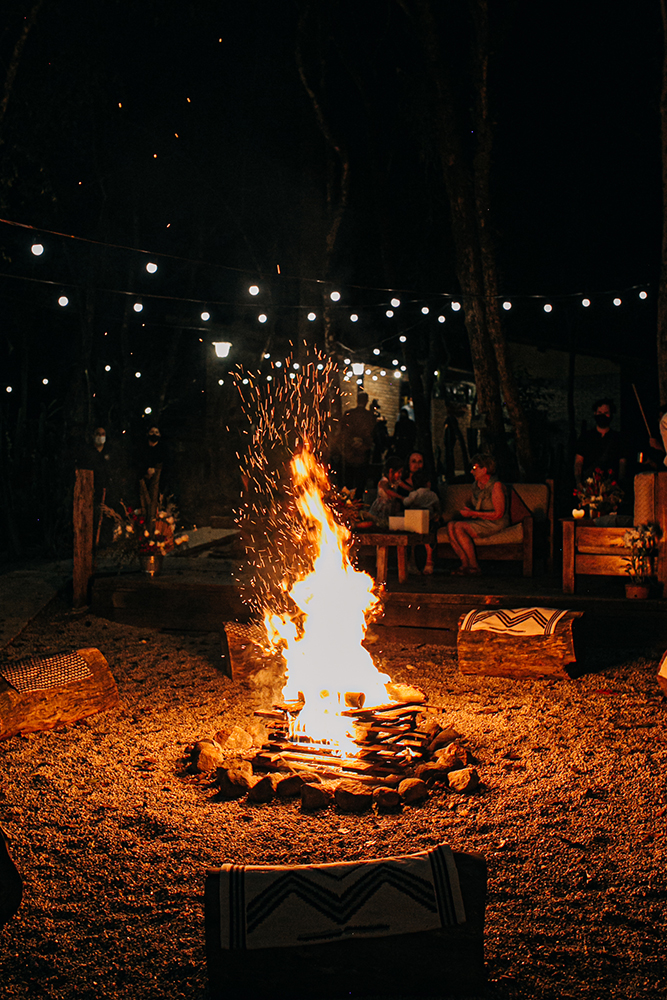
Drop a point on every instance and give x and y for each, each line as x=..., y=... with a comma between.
x=183, y=130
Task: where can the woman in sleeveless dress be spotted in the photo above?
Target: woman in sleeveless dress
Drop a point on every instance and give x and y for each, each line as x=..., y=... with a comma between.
x=486, y=513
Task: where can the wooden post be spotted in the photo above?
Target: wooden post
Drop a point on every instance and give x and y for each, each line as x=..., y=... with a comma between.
x=83, y=536
x=568, y=555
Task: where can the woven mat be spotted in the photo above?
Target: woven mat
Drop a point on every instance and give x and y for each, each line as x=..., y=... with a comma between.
x=280, y=906
x=47, y=673
x=513, y=621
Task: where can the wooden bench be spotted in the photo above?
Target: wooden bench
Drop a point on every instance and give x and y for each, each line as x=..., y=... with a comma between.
x=383, y=541
x=516, y=542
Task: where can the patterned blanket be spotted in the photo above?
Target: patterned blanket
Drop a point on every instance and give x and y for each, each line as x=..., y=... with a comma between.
x=513, y=621
x=47, y=673
x=281, y=907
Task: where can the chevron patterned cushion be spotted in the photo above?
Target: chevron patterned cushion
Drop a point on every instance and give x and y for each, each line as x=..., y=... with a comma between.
x=278, y=906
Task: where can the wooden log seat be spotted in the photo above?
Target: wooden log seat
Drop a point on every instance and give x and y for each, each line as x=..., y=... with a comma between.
x=405, y=926
x=54, y=691
x=485, y=648
x=531, y=528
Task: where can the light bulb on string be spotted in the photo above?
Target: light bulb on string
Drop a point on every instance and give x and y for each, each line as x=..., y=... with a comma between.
x=311, y=317
x=138, y=307
x=389, y=313
x=269, y=378
x=425, y=310
x=376, y=350
x=643, y=295
x=262, y=318
x=360, y=381
x=397, y=374
x=63, y=301
x=383, y=372
x=367, y=372
x=279, y=364
x=9, y=388
x=45, y=381
x=346, y=361
x=403, y=368
x=353, y=318
x=456, y=306
x=441, y=319
x=585, y=303
x=395, y=303
x=151, y=267
x=254, y=289
x=548, y=307
x=335, y=296
x=37, y=249
x=507, y=306
x=296, y=366
x=617, y=301
x=137, y=374
x=402, y=338
x=148, y=410
x=205, y=316
x=395, y=361
x=320, y=367
x=107, y=368
x=267, y=356
x=221, y=381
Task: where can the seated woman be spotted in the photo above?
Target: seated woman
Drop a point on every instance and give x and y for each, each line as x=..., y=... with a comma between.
x=414, y=463
x=486, y=513
x=422, y=497
x=387, y=502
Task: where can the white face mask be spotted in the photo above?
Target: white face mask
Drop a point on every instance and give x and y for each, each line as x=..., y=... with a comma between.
x=100, y=439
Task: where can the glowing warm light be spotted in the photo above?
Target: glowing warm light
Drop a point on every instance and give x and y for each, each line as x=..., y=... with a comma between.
x=222, y=348
x=206, y=316
x=320, y=367
x=151, y=267
x=107, y=368
x=346, y=361
x=292, y=375
x=221, y=381
x=254, y=289
x=643, y=295
x=403, y=338
x=266, y=356
x=9, y=389
x=395, y=303
x=383, y=372
x=269, y=378
x=45, y=381
x=353, y=318
x=456, y=306
x=63, y=301
x=389, y=313
x=507, y=306
x=441, y=319
x=376, y=350
x=617, y=302
x=395, y=361
x=296, y=366
x=279, y=364
x=148, y=410
x=137, y=307
x=37, y=249
x=375, y=378
x=425, y=310
x=358, y=368
x=548, y=307
x=335, y=296
x=367, y=372
x=137, y=374
x=585, y=303
x=245, y=381
x=312, y=316
x=397, y=374
x=262, y=318
x=403, y=368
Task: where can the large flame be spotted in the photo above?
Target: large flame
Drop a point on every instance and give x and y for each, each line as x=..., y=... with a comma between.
x=323, y=652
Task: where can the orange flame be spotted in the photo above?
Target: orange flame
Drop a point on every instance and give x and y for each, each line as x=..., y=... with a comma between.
x=327, y=659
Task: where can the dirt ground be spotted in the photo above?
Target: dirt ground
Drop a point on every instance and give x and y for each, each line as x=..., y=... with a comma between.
x=113, y=841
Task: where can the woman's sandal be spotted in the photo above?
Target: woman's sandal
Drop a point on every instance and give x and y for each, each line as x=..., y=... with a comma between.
x=428, y=569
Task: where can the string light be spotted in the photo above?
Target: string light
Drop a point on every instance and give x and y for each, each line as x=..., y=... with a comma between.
x=585, y=303
x=617, y=302
x=107, y=368
x=312, y=316
x=63, y=301
x=151, y=267
x=395, y=303
x=376, y=350
x=403, y=368
x=254, y=290
x=320, y=367
x=397, y=374
x=441, y=319
x=507, y=306
x=279, y=364
x=267, y=356
x=643, y=295
x=137, y=374
x=395, y=361
x=358, y=368
x=9, y=389
x=335, y=296
x=45, y=381
x=548, y=307
x=367, y=372
x=383, y=372
x=402, y=338
x=148, y=410
x=269, y=378
x=389, y=313
x=346, y=361
x=425, y=310
x=353, y=318
x=262, y=318
x=138, y=307
x=296, y=366
x=456, y=306
x=37, y=249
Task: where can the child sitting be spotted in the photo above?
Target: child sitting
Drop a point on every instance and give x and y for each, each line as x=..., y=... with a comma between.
x=423, y=498
x=388, y=501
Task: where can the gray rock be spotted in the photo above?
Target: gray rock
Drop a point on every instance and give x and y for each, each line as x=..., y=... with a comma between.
x=352, y=796
x=413, y=790
x=464, y=780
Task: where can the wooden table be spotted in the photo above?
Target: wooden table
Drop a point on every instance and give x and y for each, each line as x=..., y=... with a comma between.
x=383, y=540
x=591, y=550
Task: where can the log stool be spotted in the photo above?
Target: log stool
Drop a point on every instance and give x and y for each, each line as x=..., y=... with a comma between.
x=517, y=642
x=410, y=925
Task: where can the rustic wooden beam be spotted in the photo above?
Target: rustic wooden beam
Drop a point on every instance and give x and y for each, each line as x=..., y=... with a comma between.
x=82, y=516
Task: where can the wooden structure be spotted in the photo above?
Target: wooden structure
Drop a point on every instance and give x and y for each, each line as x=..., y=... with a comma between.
x=445, y=962
x=82, y=516
x=383, y=541
x=55, y=704
x=532, y=527
x=497, y=654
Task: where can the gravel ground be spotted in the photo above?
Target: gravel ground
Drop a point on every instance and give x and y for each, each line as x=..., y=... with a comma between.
x=113, y=839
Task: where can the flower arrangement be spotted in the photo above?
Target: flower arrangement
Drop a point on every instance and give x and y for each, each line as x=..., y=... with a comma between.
x=135, y=535
x=642, y=541
x=600, y=493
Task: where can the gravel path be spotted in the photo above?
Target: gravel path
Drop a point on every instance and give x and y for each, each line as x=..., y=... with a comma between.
x=113, y=839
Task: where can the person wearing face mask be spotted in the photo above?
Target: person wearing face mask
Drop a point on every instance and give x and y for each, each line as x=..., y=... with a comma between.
x=602, y=447
x=152, y=456
x=96, y=455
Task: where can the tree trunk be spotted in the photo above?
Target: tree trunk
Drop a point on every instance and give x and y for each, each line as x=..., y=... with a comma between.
x=662, y=289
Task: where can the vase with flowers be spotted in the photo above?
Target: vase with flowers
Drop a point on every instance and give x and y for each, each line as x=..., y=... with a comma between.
x=642, y=541
x=148, y=539
x=599, y=494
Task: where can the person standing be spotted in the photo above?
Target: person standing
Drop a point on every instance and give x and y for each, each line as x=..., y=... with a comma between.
x=601, y=448
x=358, y=428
